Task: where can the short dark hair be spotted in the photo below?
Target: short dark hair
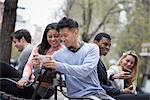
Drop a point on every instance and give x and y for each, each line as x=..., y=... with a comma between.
x=67, y=22
x=21, y=33
x=99, y=36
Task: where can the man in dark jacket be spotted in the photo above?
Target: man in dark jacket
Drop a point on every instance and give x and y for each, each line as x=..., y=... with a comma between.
x=103, y=40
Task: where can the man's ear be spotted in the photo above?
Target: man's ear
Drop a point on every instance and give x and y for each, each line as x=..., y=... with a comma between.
x=76, y=31
x=23, y=39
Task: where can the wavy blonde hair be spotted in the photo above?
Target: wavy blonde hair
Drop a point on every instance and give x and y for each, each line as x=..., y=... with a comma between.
x=135, y=66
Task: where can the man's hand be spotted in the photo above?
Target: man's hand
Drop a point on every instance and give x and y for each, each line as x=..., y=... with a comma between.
x=128, y=89
x=50, y=64
x=21, y=83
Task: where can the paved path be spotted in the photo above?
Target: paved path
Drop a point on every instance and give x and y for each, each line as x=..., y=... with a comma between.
x=59, y=96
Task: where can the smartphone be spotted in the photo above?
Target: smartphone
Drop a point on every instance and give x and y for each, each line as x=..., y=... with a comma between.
x=44, y=58
x=128, y=70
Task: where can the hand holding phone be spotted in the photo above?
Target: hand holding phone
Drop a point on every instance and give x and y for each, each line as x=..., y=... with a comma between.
x=36, y=60
x=122, y=75
x=128, y=70
x=44, y=58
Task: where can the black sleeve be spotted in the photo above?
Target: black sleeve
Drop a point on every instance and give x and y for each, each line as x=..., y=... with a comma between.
x=111, y=90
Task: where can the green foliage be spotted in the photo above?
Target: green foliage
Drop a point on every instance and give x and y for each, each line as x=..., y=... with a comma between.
x=99, y=10
x=136, y=32
x=125, y=35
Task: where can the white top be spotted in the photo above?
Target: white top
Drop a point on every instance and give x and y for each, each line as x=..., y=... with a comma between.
x=118, y=83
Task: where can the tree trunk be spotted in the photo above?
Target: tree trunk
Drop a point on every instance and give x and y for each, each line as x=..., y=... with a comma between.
x=8, y=26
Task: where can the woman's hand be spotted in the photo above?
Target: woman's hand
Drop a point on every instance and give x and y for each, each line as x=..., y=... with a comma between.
x=121, y=75
x=36, y=60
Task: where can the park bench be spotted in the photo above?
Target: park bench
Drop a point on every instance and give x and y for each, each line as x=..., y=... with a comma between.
x=45, y=78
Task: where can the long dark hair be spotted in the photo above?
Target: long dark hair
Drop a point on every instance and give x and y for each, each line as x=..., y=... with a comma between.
x=44, y=46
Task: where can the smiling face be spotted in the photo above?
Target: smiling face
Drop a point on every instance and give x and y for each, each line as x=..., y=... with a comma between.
x=104, y=45
x=19, y=44
x=128, y=62
x=68, y=36
x=53, y=38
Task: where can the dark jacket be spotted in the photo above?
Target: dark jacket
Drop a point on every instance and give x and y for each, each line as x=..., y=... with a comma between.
x=102, y=75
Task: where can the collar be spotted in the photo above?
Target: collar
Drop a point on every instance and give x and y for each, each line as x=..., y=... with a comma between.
x=72, y=49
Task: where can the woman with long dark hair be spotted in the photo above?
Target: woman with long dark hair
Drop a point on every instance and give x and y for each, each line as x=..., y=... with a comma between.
x=51, y=42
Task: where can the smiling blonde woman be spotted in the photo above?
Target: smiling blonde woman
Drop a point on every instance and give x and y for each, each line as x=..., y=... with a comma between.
x=123, y=74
